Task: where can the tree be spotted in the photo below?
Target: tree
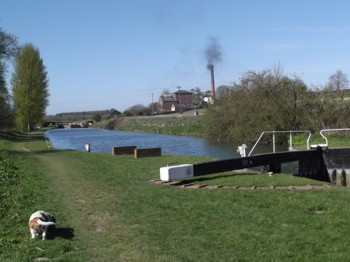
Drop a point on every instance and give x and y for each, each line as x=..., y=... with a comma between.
x=8, y=50
x=166, y=92
x=222, y=91
x=137, y=110
x=326, y=110
x=329, y=109
x=197, y=97
x=8, y=46
x=261, y=101
x=114, y=113
x=29, y=87
x=338, y=82
x=5, y=106
x=97, y=117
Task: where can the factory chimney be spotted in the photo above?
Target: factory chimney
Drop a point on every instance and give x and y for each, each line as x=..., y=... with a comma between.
x=213, y=56
x=211, y=68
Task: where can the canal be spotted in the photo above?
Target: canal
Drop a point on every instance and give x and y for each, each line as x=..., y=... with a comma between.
x=103, y=140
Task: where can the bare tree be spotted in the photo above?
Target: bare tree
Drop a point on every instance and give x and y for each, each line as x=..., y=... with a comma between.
x=166, y=92
x=338, y=82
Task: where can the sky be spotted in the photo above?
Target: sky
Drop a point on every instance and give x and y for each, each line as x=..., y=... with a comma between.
x=103, y=54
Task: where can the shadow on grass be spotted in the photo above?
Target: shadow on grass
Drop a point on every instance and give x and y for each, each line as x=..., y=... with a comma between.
x=26, y=153
x=201, y=179
x=62, y=232
x=15, y=136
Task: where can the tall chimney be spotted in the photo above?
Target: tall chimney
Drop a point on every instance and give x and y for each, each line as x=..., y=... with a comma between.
x=211, y=68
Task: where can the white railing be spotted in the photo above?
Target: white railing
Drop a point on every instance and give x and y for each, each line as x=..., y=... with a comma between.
x=331, y=130
x=291, y=132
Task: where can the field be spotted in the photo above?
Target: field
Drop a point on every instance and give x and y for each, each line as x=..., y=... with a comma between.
x=109, y=209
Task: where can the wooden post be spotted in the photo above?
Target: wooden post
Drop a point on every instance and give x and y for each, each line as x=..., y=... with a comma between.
x=147, y=152
x=123, y=150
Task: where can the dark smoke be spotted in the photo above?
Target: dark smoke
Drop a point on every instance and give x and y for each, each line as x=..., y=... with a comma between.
x=213, y=51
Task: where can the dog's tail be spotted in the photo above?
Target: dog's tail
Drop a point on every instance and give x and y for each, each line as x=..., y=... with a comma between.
x=40, y=222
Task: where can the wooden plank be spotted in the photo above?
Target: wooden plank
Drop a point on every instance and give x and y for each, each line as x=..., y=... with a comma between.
x=123, y=150
x=147, y=152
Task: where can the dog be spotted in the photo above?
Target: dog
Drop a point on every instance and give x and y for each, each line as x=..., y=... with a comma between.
x=39, y=223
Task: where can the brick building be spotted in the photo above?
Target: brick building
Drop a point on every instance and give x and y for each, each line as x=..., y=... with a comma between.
x=177, y=101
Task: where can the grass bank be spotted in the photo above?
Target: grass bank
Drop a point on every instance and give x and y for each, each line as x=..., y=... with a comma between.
x=335, y=140
x=109, y=210
x=178, y=124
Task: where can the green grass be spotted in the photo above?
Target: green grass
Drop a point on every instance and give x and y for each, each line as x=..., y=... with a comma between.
x=335, y=140
x=339, y=140
x=185, y=125
x=109, y=210
x=250, y=179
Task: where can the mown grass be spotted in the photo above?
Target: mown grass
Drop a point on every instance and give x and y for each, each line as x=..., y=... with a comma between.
x=251, y=179
x=25, y=192
x=335, y=140
x=109, y=210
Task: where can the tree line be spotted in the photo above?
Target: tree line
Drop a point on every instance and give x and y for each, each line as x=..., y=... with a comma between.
x=269, y=100
x=29, y=84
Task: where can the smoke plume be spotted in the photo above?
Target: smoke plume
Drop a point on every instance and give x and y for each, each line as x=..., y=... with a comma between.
x=213, y=51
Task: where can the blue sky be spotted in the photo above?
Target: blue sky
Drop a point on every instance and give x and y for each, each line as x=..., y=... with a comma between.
x=103, y=54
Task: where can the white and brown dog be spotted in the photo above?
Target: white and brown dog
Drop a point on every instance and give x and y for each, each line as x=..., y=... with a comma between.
x=39, y=223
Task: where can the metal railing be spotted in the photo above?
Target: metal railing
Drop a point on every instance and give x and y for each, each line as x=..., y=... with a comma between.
x=331, y=130
x=291, y=132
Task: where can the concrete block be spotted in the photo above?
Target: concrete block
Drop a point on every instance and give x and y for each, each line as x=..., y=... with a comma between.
x=176, y=172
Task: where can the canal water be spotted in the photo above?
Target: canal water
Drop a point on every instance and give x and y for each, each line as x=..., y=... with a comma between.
x=103, y=140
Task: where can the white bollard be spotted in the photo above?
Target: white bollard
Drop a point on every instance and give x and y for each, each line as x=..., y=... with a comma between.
x=176, y=172
x=87, y=147
x=241, y=150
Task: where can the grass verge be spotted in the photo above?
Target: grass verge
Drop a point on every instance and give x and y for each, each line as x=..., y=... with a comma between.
x=183, y=125
x=108, y=210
